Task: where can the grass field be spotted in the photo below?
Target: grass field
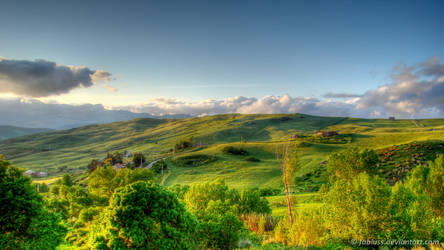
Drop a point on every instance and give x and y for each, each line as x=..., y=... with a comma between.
x=259, y=135
x=7, y=132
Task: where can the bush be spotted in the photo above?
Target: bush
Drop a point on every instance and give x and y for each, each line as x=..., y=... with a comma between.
x=269, y=191
x=260, y=223
x=234, y=151
x=195, y=160
x=160, y=166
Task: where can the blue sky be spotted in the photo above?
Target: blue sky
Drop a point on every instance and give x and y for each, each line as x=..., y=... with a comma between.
x=197, y=50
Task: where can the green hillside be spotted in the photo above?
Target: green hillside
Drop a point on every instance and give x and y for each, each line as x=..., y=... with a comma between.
x=258, y=135
x=7, y=132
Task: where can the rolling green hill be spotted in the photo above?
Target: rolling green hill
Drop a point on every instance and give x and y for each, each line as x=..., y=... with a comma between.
x=257, y=134
x=7, y=132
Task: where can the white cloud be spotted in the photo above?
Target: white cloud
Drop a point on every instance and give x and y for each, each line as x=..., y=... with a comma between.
x=415, y=91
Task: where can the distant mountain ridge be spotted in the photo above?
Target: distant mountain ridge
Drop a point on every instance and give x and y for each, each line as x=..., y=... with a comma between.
x=36, y=114
x=7, y=132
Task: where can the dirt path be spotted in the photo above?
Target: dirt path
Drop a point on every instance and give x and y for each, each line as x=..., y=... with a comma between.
x=152, y=164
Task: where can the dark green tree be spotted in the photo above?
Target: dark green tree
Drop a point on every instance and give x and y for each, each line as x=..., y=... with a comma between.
x=160, y=166
x=66, y=180
x=145, y=215
x=24, y=222
x=138, y=159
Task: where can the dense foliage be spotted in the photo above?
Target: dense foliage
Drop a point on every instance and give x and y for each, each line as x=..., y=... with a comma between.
x=123, y=208
x=147, y=216
x=358, y=204
x=25, y=222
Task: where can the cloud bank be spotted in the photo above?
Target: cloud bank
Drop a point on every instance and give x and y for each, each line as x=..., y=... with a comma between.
x=414, y=92
x=36, y=114
x=41, y=78
x=245, y=105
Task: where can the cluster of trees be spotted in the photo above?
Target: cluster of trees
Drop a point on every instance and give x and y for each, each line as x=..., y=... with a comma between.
x=138, y=160
x=359, y=204
x=234, y=151
x=188, y=143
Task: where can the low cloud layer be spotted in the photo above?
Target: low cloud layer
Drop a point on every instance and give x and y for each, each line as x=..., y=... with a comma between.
x=415, y=91
x=341, y=95
x=249, y=105
x=41, y=78
x=36, y=114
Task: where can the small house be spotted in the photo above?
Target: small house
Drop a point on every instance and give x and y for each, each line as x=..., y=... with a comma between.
x=296, y=136
x=42, y=174
x=327, y=133
x=391, y=118
x=29, y=172
x=119, y=166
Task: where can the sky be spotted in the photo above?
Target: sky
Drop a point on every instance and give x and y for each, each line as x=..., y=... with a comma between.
x=191, y=56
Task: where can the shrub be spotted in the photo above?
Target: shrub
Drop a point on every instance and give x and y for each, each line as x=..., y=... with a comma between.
x=195, y=160
x=260, y=223
x=183, y=144
x=160, y=166
x=234, y=151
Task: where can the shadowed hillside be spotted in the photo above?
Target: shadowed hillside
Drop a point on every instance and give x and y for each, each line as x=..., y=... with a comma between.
x=7, y=132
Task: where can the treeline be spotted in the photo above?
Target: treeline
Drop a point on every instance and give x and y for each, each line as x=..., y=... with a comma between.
x=358, y=204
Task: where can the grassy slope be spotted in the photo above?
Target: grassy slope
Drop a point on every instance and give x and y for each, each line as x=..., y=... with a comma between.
x=7, y=132
x=260, y=135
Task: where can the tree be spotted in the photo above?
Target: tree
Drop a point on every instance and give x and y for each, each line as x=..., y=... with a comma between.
x=66, y=180
x=219, y=228
x=429, y=180
x=350, y=163
x=288, y=161
x=24, y=221
x=103, y=181
x=357, y=209
x=184, y=144
x=145, y=215
x=139, y=159
x=252, y=202
x=160, y=166
x=93, y=165
x=113, y=158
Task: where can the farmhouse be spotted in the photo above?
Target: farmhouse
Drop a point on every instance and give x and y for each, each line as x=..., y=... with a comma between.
x=327, y=133
x=29, y=172
x=119, y=166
